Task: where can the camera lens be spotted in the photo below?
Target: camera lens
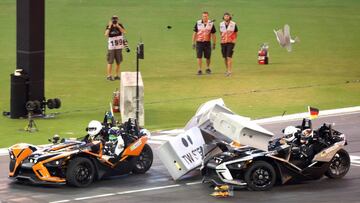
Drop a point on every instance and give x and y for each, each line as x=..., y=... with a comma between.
x=32, y=105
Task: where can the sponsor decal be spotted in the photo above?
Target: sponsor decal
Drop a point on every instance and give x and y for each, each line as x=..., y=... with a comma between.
x=189, y=147
x=135, y=145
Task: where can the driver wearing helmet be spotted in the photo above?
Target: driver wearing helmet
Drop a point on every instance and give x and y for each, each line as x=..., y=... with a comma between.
x=111, y=138
x=306, y=141
x=94, y=130
x=290, y=135
x=306, y=136
x=290, y=138
x=115, y=142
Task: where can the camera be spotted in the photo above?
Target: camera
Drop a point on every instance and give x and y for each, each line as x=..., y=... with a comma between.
x=126, y=44
x=33, y=106
x=114, y=20
x=39, y=106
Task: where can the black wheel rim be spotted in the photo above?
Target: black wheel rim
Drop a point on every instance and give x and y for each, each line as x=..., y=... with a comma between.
x=339, y=164
x=261, y=177
x=144, y=160
x=84, y=174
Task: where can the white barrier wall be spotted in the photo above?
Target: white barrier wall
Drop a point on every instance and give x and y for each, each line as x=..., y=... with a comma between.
x=182, y=153
x=128, y=97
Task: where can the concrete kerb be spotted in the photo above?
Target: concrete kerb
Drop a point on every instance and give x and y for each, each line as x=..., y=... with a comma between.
x=161, y=135
x=4, y=151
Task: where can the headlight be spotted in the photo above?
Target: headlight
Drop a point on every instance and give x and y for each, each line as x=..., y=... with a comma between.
x=54, y=163
x=238, y=165
x=11, y=155
x=218, y=160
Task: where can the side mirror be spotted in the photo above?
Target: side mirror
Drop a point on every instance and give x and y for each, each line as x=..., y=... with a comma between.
x=55, y=139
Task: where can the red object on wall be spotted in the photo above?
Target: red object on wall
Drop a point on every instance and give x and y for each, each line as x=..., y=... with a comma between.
x=116, y=102
x=263, y=54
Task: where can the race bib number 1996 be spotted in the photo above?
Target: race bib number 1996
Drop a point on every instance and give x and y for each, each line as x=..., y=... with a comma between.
x=116, y=42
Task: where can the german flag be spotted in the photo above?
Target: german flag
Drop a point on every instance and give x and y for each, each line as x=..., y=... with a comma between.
x=313, y=112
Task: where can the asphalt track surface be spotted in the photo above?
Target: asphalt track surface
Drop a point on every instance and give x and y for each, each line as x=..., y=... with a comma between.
x=157, y=186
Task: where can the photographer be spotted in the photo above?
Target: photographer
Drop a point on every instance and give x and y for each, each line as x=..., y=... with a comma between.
x=115, y=32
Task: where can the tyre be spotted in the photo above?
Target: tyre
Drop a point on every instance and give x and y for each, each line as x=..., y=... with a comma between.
x=144, y=160
x=80, y=172
x=50, y=103
x=260, y=176
x=57, y=103
x=339, y=165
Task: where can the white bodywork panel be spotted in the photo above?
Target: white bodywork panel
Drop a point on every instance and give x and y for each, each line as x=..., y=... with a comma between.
x=239, y=129
x=284, y=38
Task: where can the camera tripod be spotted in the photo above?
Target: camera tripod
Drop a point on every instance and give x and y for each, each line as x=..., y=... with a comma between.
x=31, y=126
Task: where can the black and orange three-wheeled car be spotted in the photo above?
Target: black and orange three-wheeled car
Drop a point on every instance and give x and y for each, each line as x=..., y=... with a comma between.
x=79, y=162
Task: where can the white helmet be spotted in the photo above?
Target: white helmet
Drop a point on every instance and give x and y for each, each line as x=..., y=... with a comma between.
x=145, y=132
x=94, y=128
x=289, y=133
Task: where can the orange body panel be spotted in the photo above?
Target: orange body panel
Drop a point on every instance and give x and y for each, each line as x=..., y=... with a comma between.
x=135, y=148
x=43, y=174
x=21, y=152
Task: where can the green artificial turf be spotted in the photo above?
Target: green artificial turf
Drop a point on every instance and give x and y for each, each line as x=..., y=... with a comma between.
x=315, y=73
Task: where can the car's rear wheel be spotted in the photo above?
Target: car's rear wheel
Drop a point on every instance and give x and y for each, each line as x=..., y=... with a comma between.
x=339, y=165
x=144, y=160
x=260, y=176
x=80, y=172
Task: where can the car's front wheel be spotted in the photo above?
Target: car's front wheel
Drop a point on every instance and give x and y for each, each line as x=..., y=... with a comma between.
x=80, y=172
x=339, y=165
x=260, y=176
x=144, y=160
